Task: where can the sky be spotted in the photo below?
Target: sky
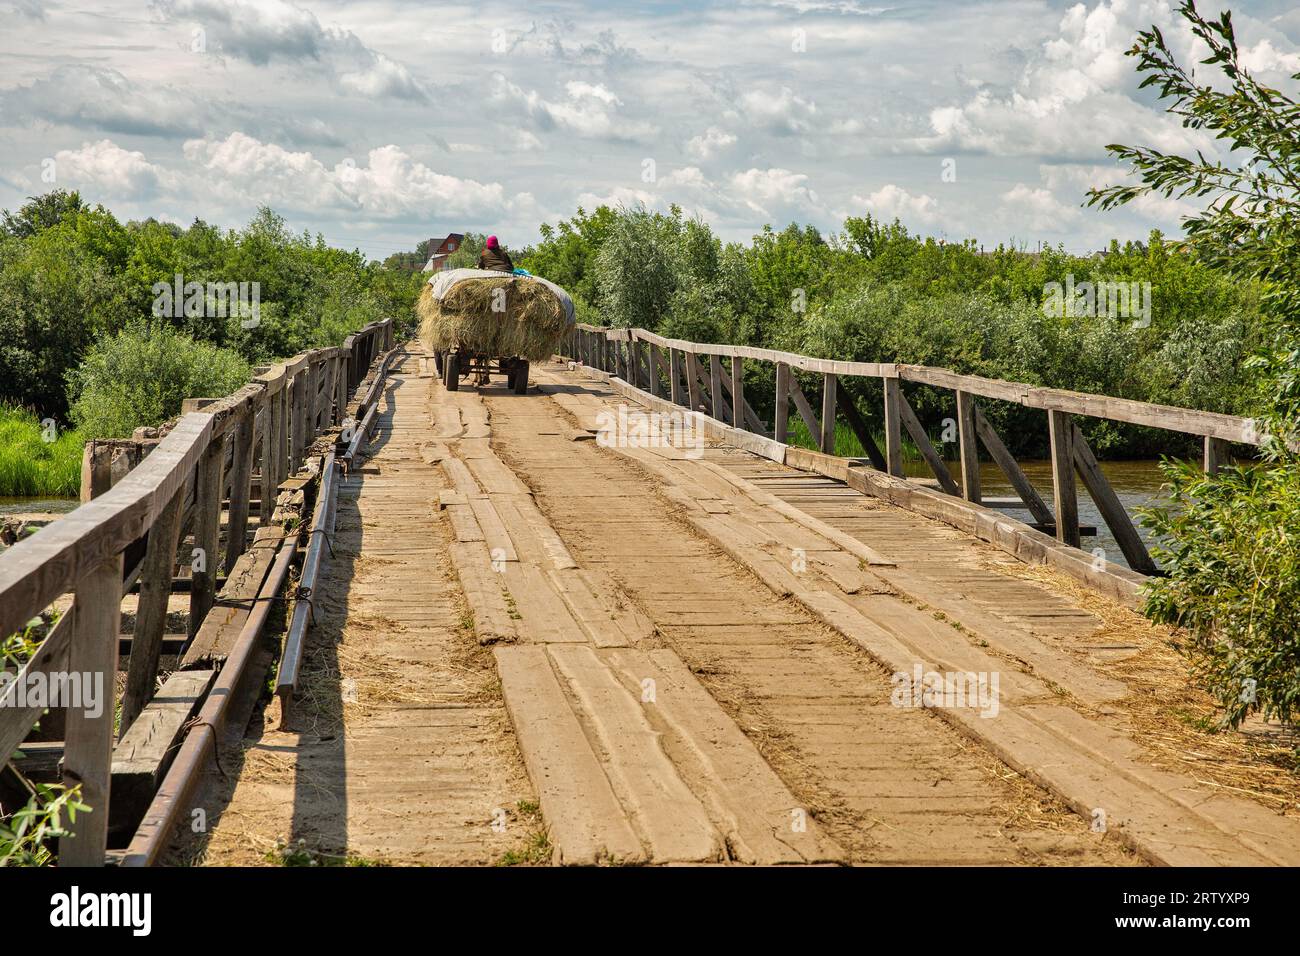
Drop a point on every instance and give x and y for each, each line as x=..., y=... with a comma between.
x=383, y=122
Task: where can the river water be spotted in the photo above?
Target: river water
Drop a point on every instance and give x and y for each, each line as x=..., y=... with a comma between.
x=1137, y=484
x=12, y=506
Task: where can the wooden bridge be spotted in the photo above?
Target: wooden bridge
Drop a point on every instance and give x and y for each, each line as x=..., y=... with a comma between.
x=616, y=619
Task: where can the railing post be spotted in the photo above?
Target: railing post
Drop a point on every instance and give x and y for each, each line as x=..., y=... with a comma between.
x=341, y=394
x=655, y=389
x=270, y=421
x=241, y=473
x=715, y=386
x=1064, y=492
x=151, y=611
x=893, y=428
x=675, y=376
x=88, y=737
x=207, y=532
x=298, y=418
x=781, y=411
x=1216, y=455
x=693, y=381
x=828, y=413
x=969, y=450
x=737, y=391
x=283, y=429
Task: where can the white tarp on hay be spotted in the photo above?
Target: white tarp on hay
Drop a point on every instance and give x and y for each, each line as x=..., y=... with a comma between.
x=442, y=283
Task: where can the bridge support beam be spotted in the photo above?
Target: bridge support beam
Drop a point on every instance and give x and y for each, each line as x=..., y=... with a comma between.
x=716, y=401
x=737, y=392
x=927, y=450
x=970, y=458
x=1216, y=455
x=859, y=428
x=88, y=741
x=693, y=381
x=893, y=427
x=656, y=360
x=1019, y=480
x=781, y=411
x=207, y=532
x=1064, y=493
x=829, y=382
x=1111, y=508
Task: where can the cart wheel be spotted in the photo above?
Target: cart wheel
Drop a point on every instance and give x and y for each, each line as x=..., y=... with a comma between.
x=519, y=379
x=451, y=371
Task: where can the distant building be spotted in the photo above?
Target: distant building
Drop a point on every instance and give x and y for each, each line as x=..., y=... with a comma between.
x=441, y=250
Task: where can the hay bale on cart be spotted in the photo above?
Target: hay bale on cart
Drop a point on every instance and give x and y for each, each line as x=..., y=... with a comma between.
x=472, y=317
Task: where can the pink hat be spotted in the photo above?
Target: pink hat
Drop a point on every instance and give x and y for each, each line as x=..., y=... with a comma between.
x=492, y=242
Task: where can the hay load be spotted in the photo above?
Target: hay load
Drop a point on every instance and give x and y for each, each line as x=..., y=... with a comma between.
x=494, y=314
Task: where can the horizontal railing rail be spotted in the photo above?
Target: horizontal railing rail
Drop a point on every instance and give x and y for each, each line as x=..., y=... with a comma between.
x=693, y=375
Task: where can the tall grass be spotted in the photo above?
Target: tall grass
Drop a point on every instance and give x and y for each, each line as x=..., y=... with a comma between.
x=30, y=465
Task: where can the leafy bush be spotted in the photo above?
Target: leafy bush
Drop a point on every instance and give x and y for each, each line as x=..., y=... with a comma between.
x=141, y=375
x=1234, y=582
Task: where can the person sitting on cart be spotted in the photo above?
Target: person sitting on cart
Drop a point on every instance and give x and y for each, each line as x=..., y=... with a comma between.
x=494, y=257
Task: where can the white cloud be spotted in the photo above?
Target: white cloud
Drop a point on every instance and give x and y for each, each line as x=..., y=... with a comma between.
x=769, y=191
x=111, y=171
x=391, y=185
x=891, y=202
x=709, y=143
x=92, y=97
x=1075, y=94
x=269, y=31
x=783, y=112
x=824, y=6
x=1263, y=57
x=590, y=110
x=1038, y=208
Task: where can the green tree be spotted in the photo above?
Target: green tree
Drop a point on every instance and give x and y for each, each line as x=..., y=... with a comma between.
x=41, y=212
x=1232, y=554
x=567, y=253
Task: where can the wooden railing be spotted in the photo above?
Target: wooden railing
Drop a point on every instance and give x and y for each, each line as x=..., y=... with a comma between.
x=126, y=536
x=676, y=370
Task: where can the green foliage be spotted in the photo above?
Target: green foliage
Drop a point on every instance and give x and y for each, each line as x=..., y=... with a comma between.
x=1229, y=541
x=36, y=458
x=663, y=272
x=141, y=375
x=72, y=274
x=41, y=212
x=1234, y=582
x=466, y=254
x=59, y=288
x=26, y=833
x=879, y=293
x=568, y=252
